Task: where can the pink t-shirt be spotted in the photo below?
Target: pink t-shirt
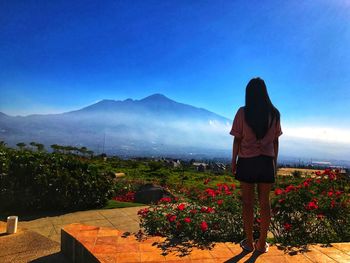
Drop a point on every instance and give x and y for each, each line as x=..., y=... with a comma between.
x=250, y=145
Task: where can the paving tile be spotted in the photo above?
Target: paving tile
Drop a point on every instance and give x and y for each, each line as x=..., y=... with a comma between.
x=147, y=247
x=173, y=256
x=152, y=257
x=315, y=256
x=178, y=261
x=107, y=258
x=103, y=231
x=300, y=258
x=128, y=257
x=99, y=222
x=200, y=254
x=107, y=240
x=333, y=253
x=273, y=259
x=45, y=231
x=221, y=251
x=104, y=249
x=204, y=260
x=345, y=247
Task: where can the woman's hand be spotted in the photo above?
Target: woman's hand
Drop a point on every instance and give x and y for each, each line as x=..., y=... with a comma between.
x=234, y=167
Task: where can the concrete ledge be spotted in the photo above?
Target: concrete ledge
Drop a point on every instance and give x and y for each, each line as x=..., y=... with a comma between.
x=72, y=248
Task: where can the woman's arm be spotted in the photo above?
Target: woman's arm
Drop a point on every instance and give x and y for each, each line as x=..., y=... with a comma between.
x=275, y=148
x=235, y=150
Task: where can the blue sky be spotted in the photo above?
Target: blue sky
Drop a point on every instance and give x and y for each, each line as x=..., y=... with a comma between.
x=57, y=56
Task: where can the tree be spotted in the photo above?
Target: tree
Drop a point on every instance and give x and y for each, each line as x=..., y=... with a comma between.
x=40, y=147
x=21, y=145
x=55, y=147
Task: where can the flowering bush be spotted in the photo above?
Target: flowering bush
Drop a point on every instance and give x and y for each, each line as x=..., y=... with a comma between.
x=214, y=215
x=127, y=197
x=316, y=209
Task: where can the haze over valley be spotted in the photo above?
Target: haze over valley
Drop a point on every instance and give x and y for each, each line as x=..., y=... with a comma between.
x=153, y=126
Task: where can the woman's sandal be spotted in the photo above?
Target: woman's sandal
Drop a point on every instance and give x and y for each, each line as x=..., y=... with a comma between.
x=244, y=246
x=259, y=250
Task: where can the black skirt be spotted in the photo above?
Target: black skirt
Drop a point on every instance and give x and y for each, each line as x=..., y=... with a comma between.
x=259, y=169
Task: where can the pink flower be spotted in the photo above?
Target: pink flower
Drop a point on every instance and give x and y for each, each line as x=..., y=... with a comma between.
x=204, y=226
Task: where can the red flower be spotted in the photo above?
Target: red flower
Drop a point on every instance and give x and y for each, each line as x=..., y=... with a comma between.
x=333, y=203
x=187, y=220
x=208, y=210
x=338, y=193
x=287, y=226
x=181, y=207
x=204, y=226
x=206, y=181
x=281, y=201
x=320, y=216
x=220, y=202
x=210, y=192
x=330, y=193
x=318, y=173
x=165, y=200
x=233, y=186
x=331, y=176
x=193, y=211
x=143, y=212
x=178, y=225
x=171, y=218
x=279, y=191
x=311, y=205
x=258, y=220
x=327, y=171
x=290, y=188
x=306, y=184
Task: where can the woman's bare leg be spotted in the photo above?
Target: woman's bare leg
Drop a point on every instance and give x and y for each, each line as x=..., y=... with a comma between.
x=265, y=212
x=248, y=211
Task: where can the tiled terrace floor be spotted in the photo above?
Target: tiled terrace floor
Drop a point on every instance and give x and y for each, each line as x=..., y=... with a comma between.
x=113, y=222
x=109, y=245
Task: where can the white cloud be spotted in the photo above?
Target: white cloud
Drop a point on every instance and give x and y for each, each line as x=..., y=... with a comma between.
x=317, y=133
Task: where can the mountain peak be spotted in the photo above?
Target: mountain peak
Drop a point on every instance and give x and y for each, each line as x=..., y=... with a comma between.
x=156, y=97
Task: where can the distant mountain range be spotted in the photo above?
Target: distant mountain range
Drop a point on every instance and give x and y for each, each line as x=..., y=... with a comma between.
x=155, y=125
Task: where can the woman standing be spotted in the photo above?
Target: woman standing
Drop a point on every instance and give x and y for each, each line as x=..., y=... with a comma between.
x=256, y=128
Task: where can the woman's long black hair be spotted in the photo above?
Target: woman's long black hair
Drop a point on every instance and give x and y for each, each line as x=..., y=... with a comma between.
x=259, y=111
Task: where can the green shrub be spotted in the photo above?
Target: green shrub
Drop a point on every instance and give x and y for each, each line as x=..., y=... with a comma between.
x=43, y=181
